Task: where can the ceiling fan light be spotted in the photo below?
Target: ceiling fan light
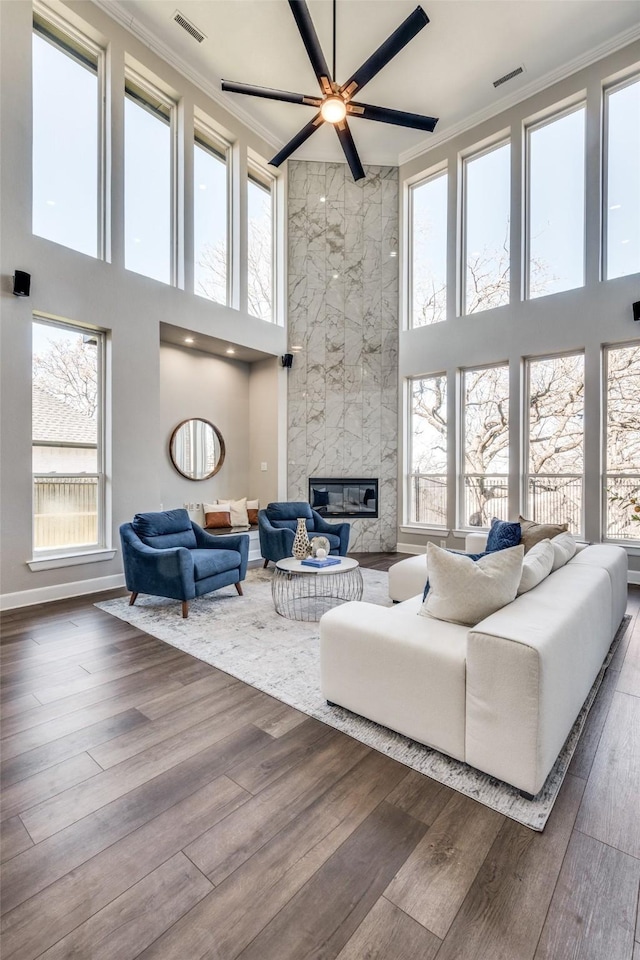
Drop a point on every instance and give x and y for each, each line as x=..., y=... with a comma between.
x=333, y=110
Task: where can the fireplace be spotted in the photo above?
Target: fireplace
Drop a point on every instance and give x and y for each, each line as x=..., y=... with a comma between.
x=336, y=497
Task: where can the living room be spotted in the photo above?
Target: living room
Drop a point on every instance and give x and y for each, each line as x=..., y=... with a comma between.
x=344, y=303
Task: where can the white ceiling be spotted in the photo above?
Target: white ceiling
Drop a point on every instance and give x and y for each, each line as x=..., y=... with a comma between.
x=447, y=71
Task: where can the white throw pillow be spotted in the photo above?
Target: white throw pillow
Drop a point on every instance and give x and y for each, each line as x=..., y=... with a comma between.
x=537, y=565
x=238, y=511
x=564, y=548
x=466, y=591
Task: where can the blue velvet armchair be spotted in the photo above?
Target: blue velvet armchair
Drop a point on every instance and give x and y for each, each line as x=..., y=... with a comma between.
x=167, y=555
x=277, y=525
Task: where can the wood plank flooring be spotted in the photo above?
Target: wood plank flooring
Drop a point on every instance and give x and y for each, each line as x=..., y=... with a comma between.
x=154, y=807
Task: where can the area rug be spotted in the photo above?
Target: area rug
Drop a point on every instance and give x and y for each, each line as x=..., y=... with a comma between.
x=249, y=640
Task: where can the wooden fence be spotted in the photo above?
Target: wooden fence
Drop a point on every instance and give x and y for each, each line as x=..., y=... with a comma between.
x=65, y=511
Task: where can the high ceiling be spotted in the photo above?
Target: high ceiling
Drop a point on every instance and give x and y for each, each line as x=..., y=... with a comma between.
x=447, y=71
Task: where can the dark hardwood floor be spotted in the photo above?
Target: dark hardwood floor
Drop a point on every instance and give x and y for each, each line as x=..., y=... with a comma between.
x=155, y=807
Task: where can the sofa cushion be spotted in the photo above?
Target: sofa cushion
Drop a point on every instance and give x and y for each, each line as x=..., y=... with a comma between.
x=564, y=548
x=464, y=591
x=207, y=563
x=534, y=532
x=289, y=510
x=502, y=535
x=536, y=566
x=166, y=528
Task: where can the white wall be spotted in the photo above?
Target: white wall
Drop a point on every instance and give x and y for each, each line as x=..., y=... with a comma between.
x=267, y=431
x=597, y=314
x=72, y=286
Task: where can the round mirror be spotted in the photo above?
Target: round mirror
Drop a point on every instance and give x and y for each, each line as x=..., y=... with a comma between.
x=196, y=449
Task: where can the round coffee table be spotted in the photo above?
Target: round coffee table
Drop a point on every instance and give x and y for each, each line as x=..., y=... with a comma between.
x=305, y=593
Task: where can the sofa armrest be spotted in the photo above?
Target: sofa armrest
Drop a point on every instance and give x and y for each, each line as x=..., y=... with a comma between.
x=275, y=542
x=167, y=572
x=341, y=530
x=227, y=541
x=475, y=542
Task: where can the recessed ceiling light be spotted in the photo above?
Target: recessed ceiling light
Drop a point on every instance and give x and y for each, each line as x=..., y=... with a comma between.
x=323, y=199
x=202, y=186
x=625, y=241
x=188, y=339
x=394, y=253
x=615, y=206
x=51, y=203
x=137, y=240
x=296, y=349
x=230, y=350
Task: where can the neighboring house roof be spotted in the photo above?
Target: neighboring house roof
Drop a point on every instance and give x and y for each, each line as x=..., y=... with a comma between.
x=56, y=422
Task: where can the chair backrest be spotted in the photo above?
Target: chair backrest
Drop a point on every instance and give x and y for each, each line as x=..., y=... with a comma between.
x=168, y=528
x=289, y=510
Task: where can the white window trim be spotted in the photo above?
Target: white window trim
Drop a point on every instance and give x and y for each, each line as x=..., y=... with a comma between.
x=408, y=525
x=631, y=546
x=55, y=561
x=607, y=91
x=258, y=172
x=44, y=555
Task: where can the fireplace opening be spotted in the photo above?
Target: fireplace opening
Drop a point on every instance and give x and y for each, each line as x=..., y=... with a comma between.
x=349, y=497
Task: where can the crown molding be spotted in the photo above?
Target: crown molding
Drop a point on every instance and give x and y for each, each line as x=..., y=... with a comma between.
x=115, y=11
x=524, y=93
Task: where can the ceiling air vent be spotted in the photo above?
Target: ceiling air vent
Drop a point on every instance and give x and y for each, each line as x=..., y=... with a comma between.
x=508, y=76
x=182, y=21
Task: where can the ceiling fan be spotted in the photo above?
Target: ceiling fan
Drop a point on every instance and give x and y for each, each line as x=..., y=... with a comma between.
x=336, y=103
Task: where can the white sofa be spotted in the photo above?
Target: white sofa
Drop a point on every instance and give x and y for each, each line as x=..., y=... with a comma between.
x=501, y=696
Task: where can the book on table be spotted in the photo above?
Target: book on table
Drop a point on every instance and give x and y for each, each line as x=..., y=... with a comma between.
x=324, y=562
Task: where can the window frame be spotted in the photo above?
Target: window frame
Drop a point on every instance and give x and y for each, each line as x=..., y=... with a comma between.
x=526, y=421
x=146, y=92
x=461, y=457
x=205, y=136
x=43, y=553
x=258, y=174
x=529, y=127
x=78, y=46
x=607, y=91
x=465, y=159
x=633, y=545
x=440, y=171
x=409, y=440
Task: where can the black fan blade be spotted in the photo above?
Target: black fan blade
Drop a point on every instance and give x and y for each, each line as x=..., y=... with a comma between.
x=398, y=117
x=309, y=36
x=350, y=152
x=387, y=51
x=297, y=141
x=231, y=87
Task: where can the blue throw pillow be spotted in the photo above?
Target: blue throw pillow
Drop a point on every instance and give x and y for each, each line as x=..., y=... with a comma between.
x=471, y=556
x=502, y=535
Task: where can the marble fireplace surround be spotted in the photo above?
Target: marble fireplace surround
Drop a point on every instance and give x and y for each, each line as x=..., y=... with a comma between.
x=343, y=332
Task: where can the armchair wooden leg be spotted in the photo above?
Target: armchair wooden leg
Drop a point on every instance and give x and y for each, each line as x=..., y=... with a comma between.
x=265, y=565
x=132, y=599
x=185, y=609
x=239, y=589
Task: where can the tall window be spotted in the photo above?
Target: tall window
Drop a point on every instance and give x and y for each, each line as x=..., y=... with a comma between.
x=485, y=442
x=148, y=183
x=487, y=200
x=556, y=440
x=210, y=218
x=427, y=478
x=428, y=244
x=556, y=183
x=67, y=121
x=622, y=482
x=622, y=215
x=260, y=261
x=68, y=471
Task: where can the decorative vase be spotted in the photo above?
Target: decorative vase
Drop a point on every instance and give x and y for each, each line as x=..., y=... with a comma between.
x=301, y=542
x=320, y=543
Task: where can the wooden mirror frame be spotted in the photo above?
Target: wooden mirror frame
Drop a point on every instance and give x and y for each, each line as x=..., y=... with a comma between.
x=172, y=451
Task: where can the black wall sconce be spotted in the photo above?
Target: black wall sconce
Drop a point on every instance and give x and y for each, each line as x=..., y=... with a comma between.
x=287, y=360
x=21, y=283
x=636, y=310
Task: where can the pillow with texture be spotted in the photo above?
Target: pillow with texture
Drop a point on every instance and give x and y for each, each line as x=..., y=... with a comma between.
x=503, y=535
x=536, y=566
x=238, y=511
x=470, y=556
x=533, y=532
x=216, y=516
x=564, y=547
x=464, y=591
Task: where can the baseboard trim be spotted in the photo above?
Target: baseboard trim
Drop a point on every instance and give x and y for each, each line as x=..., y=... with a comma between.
x=633, y=576
x=415, y=548
x=60, y=591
